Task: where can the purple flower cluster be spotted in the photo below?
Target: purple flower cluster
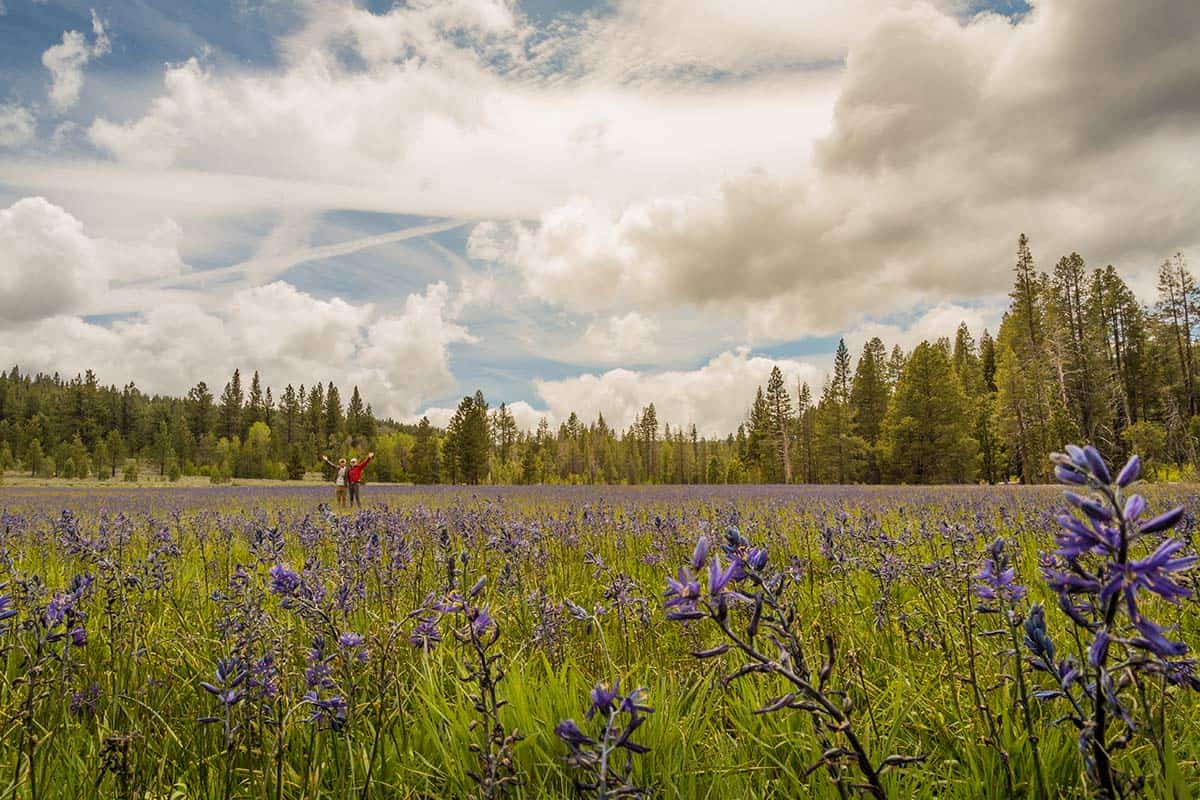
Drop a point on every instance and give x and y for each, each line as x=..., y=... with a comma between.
x=617, y=718
x=746, y=579
x=997, y=578
x=1102, y=588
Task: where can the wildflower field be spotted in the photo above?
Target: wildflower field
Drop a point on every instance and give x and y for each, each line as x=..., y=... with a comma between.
x=674, y=642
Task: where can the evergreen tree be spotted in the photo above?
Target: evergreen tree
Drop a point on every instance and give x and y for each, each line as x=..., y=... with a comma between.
x=926, y=433
x=356, y=415
x=779, y=414
x=424, y=454
x=255, y=404
x=647, y=437
x=1030, y=405
x=967, y=368
x=200, y=409
x=333, y=412
x=1177, y=308
x=290, y=412
x=869, y=391
x=840, y=451
x=806, y=434
x=987, y=360
x=231, y=407
x=895, y=366
x=466, y=444
x=316, y=416
x=117, y=451
x=504, y=429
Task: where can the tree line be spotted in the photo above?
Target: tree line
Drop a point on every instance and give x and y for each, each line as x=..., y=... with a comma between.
x=1076, y=358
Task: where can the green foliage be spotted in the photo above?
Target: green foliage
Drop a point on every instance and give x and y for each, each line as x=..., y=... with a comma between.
x=47, y=468
x=295, y=464
x=1149, y=439
x=465, y=450
x=926, y=435
x=130, y=473
x=103, y=461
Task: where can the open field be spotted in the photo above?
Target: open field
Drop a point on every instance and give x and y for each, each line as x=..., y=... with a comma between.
x=102, y=695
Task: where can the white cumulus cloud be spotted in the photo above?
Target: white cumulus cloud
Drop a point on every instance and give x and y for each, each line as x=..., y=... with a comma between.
x=398, y=360
x=50, y=265
x=948, y=138
x=716, y=396
x=66, y=61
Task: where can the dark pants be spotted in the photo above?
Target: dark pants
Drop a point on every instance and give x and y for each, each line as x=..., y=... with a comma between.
x=354, y=498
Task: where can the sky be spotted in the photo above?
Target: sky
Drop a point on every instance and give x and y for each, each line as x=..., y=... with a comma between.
x=573, y=205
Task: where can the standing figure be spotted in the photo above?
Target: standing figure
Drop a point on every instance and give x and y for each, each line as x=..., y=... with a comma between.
x=355, y=477
x=340, y=482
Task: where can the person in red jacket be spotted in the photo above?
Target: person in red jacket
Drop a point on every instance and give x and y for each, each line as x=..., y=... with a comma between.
x=354, y=476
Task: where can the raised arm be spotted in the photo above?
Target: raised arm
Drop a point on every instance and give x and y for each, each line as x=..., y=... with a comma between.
x=325, y=458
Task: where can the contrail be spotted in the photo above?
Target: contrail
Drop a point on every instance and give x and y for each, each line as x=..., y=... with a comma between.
x=263, y=269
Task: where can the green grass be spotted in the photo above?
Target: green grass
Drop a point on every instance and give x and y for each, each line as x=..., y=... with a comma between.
x=903, y=663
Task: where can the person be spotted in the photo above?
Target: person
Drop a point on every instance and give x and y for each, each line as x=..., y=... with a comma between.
x=340, y=482
x=354, y=476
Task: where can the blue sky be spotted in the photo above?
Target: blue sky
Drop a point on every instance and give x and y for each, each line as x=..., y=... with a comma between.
x=572, y=205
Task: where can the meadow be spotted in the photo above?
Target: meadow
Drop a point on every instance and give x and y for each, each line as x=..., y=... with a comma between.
x=252, y=643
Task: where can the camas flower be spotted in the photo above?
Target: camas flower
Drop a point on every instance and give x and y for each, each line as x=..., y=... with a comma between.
x=229, y=677
x=603, y=698
x=481, y=620
x=1099, y=582
x=718, y=577
x=1150, y=574
x=683, y=592
x=997, y=577
x=349, y=640
x=328, y=712
x=425, y=634
x=284, y=582
x=569, y=732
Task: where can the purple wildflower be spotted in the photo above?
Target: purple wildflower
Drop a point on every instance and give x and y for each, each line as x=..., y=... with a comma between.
x=284, y=582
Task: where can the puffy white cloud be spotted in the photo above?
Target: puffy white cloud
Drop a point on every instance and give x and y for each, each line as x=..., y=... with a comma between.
x=527, y=417
x=716, y=396
x=405, y=354
x=17, y=125
x=50, y=265
x=439, y=108
x=948, y=139
x=66, y=61
x=934, y=323
x=398, y=360
x=53, y=274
